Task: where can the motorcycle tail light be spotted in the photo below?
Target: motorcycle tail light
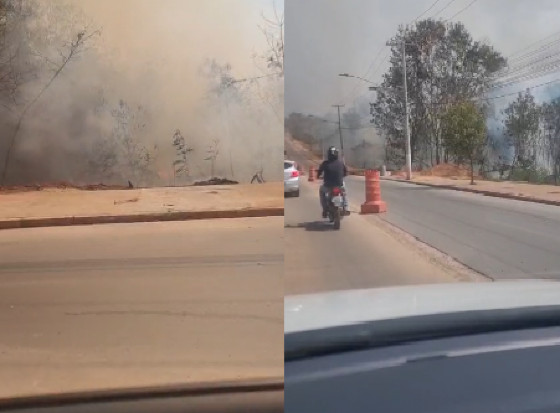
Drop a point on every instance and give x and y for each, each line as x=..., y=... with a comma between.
x=336, y=191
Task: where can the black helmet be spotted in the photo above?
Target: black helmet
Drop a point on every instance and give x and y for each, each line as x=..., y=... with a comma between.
x=332, y=153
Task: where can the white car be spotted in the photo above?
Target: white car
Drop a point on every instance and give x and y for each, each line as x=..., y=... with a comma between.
x=291, y=178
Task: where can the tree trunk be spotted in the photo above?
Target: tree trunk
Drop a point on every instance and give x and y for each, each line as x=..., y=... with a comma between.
x=437, y=151
x=472, y=171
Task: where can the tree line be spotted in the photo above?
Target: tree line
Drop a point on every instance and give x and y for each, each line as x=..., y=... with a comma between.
x=451, y=79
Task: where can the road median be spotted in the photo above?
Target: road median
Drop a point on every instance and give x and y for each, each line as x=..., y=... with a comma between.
x=74, y=207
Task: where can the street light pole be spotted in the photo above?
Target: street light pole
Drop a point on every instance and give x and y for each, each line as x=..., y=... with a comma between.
x=340, y=130
x=355, y=77
x=406, y=114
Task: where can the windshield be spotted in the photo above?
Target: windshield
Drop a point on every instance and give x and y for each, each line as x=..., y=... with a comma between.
x=447, y=185
x=141, y=227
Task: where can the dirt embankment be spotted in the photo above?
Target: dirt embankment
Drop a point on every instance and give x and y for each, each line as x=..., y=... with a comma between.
x=448, y=170
x=302, y=153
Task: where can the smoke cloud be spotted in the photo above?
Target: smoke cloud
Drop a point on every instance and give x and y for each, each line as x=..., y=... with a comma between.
x=144, y=77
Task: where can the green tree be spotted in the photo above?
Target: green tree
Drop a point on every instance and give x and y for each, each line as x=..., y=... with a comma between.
x=444, y=66
x=464, y=133
x=522, y=121
x=551, y=124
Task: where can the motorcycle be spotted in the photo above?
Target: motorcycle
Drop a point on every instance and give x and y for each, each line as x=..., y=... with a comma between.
x=337, y=208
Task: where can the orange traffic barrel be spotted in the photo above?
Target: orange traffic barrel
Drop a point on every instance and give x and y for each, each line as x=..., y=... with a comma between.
x=374, y=204
x=311, y=177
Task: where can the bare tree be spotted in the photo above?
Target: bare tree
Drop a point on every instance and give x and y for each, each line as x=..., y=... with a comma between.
x=258, y=177
x=273, y=57
x=180, y=164
x=71, y=51
x=135, y=158
x=273, y=31
x=213, y=152
x=10, y=20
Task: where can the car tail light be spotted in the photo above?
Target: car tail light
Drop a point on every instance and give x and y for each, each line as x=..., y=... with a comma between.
x=336, y=191
x=295, y=174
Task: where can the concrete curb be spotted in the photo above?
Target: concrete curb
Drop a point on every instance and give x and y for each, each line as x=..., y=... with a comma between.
x=146, y=217
x=481, y=192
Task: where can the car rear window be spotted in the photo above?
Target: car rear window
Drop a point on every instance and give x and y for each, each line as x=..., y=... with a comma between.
x=288, y=165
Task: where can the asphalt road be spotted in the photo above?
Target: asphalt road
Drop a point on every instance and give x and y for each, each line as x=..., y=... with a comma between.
x=502, y=238
x=361, y=255
x=140, y=304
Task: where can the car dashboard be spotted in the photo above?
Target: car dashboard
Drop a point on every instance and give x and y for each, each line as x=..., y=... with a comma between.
x=511, y=371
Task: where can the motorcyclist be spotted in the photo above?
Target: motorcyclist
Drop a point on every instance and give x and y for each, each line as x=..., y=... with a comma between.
x=333, y=171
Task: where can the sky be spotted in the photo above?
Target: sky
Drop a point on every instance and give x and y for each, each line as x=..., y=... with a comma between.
x=328, y=37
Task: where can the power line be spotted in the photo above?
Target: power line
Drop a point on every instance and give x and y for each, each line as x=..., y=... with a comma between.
x=529, y=61
x=531, y=71
x=353, y=92
x=365, y=74
x=494, y=97
x=534, y=43
x=534, y=63
x=427, y=10
x=522, y=80
x=446, y=6
x=521, y=91
x=462, y=10
x=527, y=55
x=546, y=63
x=530, y=64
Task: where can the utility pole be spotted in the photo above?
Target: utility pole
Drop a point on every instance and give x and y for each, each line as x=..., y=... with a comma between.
x=406, y=115
x=340, y=130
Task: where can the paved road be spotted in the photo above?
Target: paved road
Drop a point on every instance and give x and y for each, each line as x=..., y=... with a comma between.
x=140, y=304
x=360, y=255
x=497, y=237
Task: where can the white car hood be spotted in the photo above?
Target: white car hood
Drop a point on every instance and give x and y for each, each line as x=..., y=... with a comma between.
x=339, y=308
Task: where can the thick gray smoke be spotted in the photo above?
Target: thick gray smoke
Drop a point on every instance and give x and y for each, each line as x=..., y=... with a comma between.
x=112, y=112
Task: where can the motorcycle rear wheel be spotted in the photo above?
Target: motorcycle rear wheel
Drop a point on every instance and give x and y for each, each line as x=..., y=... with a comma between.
x=336, y=220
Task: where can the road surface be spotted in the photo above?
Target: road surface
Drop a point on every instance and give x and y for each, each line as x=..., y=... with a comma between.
x=502, y=238
x=360, y=255
x=140, y=304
